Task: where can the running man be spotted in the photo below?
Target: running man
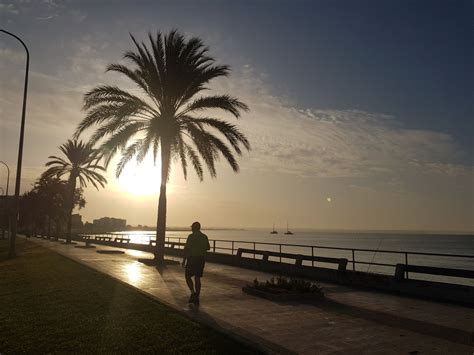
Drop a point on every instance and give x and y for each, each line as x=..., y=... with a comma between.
x=196, y=246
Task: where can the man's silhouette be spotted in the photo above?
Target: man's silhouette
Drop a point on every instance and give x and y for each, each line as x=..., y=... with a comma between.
x=196, y=246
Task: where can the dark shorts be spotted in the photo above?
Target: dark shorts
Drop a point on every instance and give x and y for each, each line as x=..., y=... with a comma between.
x=195, y=266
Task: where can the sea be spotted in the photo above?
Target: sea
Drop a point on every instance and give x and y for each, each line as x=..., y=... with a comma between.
x=375, y=252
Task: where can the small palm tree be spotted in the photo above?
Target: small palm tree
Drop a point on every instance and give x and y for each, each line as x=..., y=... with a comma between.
x=170, y=72
x=81, y=163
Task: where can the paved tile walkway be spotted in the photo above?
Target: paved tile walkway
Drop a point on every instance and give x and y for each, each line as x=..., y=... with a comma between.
x=349, y=321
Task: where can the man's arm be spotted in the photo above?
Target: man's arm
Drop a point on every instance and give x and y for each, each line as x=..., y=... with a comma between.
x=185, y=252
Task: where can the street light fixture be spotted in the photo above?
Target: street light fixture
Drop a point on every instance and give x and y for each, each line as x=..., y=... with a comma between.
x=8, y=174
x=12, y=252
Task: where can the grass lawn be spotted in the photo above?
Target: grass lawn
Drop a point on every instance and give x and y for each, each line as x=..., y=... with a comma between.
x=49, y=303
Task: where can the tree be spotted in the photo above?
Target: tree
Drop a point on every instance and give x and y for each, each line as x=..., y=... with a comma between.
x=170, y=72
x=81, y=163
x=54, y=200
x=29, y=214
x=45, y=203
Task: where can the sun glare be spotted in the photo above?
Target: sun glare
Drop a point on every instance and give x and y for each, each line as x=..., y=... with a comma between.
x=141, y=179
x=133, y=272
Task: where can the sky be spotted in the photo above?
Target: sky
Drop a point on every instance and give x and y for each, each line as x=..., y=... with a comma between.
x=361, y=113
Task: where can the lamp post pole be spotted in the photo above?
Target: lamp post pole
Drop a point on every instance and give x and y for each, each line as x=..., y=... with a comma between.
x=6, y=199
x=12, y=252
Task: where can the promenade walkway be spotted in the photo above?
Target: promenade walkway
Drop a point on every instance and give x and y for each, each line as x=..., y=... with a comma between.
x=349, y=321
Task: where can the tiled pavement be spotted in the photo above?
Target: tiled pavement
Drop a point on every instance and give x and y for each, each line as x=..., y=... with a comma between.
x=349, y=321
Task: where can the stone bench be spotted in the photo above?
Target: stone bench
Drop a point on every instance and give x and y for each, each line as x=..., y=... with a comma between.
x=102, y=239
x=401, y=269
x=171, y=245
x=341, y=262
x=87, y=239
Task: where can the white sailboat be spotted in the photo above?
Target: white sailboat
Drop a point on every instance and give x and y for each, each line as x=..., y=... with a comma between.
x=273, y=231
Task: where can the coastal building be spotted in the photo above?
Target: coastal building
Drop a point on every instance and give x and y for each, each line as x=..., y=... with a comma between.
x=76, y=221
x=109, y=224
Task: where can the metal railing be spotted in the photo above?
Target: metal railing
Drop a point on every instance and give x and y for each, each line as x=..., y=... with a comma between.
x=231, y=247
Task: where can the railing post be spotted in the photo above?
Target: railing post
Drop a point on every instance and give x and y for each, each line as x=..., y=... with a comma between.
x=312, y=255
x=406, y=263
x=280, y=253
x=353, y=260
x=232, y=247
x=254, y=250
x=214, y=246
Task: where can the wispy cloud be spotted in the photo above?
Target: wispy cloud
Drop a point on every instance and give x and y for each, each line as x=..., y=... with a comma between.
x=10, y=9
x=335, y=143
x=43, y=10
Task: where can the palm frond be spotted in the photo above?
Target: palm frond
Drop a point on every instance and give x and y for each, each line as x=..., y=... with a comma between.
x=222, y=102
x=170, y=71
x=128, y=154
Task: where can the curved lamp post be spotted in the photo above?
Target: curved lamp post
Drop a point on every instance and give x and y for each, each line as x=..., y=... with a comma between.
x=8, y=174
x=20, y=148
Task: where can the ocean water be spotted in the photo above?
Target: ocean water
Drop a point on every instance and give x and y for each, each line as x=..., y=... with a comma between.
x=315, y=242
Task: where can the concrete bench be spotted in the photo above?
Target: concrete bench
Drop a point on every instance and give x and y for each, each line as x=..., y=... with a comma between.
x=87, y=239
x=172, y=245
x=341, y=262
x=401, y=269
x=103, y=239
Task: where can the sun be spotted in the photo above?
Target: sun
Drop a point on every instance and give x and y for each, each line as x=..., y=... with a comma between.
x=141, y=179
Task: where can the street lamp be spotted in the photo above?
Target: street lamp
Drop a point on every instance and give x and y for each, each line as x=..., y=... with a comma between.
x=8, y=174
x=20, y=148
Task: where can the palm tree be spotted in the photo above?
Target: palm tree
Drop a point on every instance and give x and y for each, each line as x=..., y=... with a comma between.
x=81, y=163
x=169, y=72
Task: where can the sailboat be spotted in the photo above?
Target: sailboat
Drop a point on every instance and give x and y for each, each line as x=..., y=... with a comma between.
x=273, y=231
x=288, y=232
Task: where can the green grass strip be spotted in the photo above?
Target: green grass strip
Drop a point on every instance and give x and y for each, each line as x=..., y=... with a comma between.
x=50, y=304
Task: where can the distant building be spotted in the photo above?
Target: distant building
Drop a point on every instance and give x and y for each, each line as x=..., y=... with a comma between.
x=110, y=224
x=76, y=221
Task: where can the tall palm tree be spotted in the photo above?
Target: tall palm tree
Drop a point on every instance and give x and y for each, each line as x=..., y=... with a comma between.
x=81, y=163
x=165, y=117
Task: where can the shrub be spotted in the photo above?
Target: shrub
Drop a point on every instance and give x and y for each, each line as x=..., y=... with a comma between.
x=289, y=284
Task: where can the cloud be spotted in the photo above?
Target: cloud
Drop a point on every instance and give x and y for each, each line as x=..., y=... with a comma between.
x=334, y=143
x=43, y=10
x=10, y=9
x=285, y=138
x=12, y=55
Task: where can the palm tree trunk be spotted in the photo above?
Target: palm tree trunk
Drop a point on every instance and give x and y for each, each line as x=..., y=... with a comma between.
x=72, y=189
x=161, y=219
